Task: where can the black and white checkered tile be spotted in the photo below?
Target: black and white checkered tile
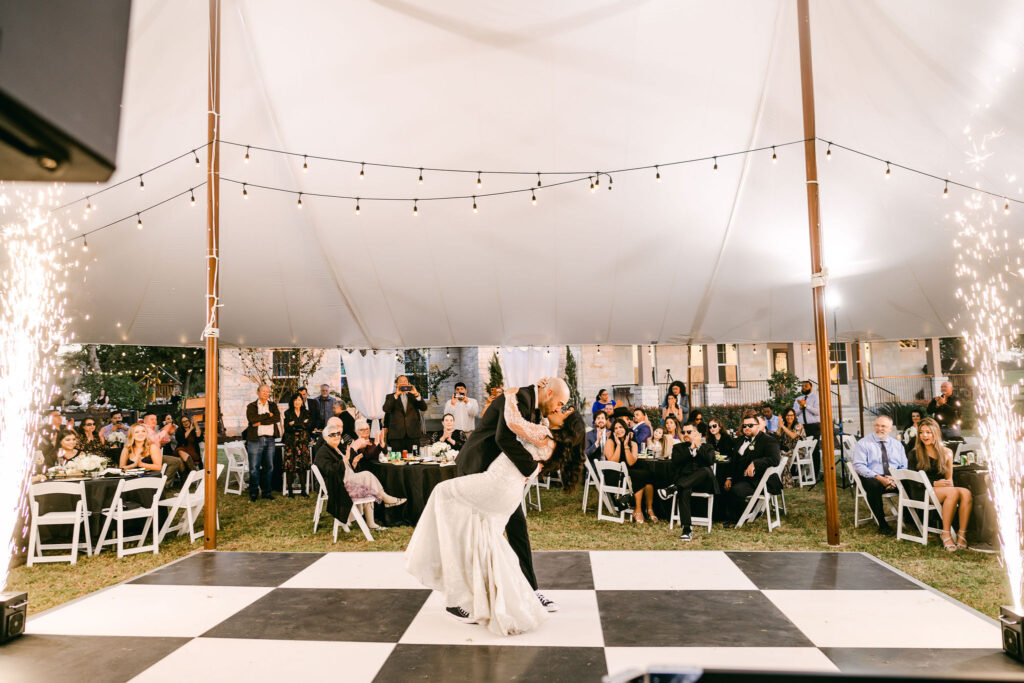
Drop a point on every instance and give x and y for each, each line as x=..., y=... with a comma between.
x=360, y=617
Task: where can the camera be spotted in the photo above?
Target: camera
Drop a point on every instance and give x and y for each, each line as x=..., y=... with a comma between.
x=405, y=387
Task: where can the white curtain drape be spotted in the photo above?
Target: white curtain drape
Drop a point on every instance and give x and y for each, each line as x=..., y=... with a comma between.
x=370, y=380
x=524, y=366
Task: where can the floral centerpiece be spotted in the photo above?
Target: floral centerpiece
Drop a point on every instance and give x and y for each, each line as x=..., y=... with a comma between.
x=115, y=438
x=442, y=451
x=87, y=463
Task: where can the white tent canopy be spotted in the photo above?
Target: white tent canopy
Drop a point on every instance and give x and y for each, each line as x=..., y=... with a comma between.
x=534, y=85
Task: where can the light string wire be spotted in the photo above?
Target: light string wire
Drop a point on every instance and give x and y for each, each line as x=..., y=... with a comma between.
x=135, y=214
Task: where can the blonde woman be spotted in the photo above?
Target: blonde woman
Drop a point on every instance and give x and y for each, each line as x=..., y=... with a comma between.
x=660, y=444
x=936, y=461
x=140, y=452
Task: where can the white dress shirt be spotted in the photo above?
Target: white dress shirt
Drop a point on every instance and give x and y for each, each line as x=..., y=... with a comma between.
x=263, y=409
x=465, y=413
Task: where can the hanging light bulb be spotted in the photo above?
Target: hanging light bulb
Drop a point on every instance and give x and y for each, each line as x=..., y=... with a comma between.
x=196, y=157
x=421, y=177
x=246, y=159
x=828, y=152
x=245, y=192
x=715, y=169
x=597, y=178
x=305, y=164
x=591, y=183
x=657, y=174
x=479, y=180
x=775, y=157
x=415, y=208
x=85, y=243
x=610, y=181
x=142, y=185
x=362, y=170
x=533, y=197
x=88, y=205
x=599, y=349
x=191, y=198
x=474, y=205
x=538, y=178
x=888, y=171
x=1006, y=207
x=138, y=223
x=357, y=206
x=945, y=191
x=298, y=204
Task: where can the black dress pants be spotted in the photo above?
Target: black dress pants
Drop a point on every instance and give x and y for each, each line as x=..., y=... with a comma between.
x=874, y=490
x=519, y=539
x=813, y=429
x=684, y=490
x=736, y=498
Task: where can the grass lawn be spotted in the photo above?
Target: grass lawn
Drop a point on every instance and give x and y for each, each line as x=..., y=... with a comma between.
x=285, y=524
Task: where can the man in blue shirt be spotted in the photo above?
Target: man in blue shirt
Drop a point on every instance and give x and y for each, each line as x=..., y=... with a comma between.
x=808, y=413
x=771, y=422
x=875, y=457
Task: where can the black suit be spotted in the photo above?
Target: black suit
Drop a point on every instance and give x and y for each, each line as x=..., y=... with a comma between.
x=322, y=409
x=405, y=427
x=691, y=471
x=763, y=452
x=491, y=438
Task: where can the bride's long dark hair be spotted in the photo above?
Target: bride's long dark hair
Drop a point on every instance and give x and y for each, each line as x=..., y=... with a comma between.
x=568, y=455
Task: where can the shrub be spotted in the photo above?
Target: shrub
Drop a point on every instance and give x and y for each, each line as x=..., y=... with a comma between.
x=123, y=391
x=785, y=388
x=728, y=414
x=900, y=412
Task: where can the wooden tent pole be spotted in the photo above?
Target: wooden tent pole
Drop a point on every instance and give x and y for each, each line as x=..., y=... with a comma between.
x=828, y=460
x=212, y=330
x=860, y=386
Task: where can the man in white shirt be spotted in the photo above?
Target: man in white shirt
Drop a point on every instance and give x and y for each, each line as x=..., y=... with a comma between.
x=464, y=409
x=808, y=413
x=263, y=419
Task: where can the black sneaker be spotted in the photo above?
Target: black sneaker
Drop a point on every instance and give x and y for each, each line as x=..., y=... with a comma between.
x=253, y=499
x=686, y=536
x=268, y=496
x=886, y=531
x=459, y=614
x=666, y=493
x=549, y=605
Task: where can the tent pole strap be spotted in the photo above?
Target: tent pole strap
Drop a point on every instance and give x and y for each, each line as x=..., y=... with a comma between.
x=828, y=462
x=212, y=330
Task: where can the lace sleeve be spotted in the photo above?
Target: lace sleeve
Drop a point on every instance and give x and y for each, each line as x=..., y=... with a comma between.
x=537, y=435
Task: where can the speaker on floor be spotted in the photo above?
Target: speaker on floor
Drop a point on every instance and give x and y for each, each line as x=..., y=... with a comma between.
x=13, y=610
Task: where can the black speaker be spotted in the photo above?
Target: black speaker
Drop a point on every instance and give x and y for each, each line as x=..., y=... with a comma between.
x=13, y=610
x=1013, y=643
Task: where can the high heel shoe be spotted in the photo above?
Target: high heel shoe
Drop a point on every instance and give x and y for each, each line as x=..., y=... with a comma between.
x=947, y=541
x=961, y=540
x=638, y=517
x=395, y=503
x=650, y=515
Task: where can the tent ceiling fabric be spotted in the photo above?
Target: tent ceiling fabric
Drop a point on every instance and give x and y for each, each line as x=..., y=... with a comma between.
x=530, y=85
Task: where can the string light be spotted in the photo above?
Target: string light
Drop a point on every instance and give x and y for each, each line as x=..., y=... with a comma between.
x=715, y=169
x=474, y=204
x=142, y=185
x=610, y=181
x=362, y=170
x=246, y=159
x=533, y=197
x=415, y=208
x=357, y=206
x=138, y=223
x=775, y=157
x=85, y=243
x=196, y=157
x=421, y=176
x=1006, y=207
x=298, y=204
x=245, y=192
x=479, y=180
x=88, y=204
x=538, y=178
x=828, y=152
x=597, y=179
x=191, y=198
x=657, y=174
x=591, y=183
x=888, y=171
x=305, y=164
x=945, y=191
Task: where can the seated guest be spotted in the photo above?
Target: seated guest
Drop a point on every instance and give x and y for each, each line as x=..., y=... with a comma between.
x=298, y=432
x=49, y=436
x=672, y=429
x=672, y=409
x=936, y=461
x=641, y=429
x=596, y=438
x=621, y=448
x=771, y=419
x=102, y=400
x=90, y=440
x=348, y=421
x=602, y=403
x=910, y=433
x=945, y=409
x=140, y=452
x=162, y=438
x=116, y=424
x=755, y=453
x=697, y=418
x=621, y=413
x=874, y=459
x=692, y=460
x=790, y=432
x=449, y=434
x=677, y=391
x=660, y=444
x=363, y=449
x=67, y=448
x=186, y=444
x=336, y=468
x=719, y=437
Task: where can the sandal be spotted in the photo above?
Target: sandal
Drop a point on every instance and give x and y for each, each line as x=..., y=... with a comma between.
x=638, y=517
x=650, y=515
x=947, y=541
x=396, y=503
x=961, y=540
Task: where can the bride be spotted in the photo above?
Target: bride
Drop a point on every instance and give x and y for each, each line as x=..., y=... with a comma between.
x=459, y=547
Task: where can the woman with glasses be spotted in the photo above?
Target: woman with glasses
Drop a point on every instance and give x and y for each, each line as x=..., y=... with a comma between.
x=90, y=440
x=187, y=438
x=719, y=437
x=603, y=403
x=622, y=448
x=335, y=464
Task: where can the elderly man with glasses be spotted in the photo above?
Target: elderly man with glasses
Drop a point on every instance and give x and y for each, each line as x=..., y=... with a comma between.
x=755, y=452
x=692, y=460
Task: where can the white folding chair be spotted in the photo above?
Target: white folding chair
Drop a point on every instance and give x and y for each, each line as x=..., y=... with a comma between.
x=606, y=491
x=119, y=512
x=890, y=498
x=699, y=521
x=550, y=479
x=286, y=491
x=802, y=458
x=762, y=499
x=929, y=503
x=354, y=515
x=77, y=518
x=190, y=502
x=590, y=481
x=238, y=467
x=531, y=491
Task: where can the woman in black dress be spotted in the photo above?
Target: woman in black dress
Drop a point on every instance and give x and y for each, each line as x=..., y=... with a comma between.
x=449, y=434
x=936, y=461
x=298, y=431
x=89, y=440
x=186, y=438
x=622, y=448
x=719, y=437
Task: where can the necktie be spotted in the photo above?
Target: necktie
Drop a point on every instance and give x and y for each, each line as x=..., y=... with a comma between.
x=885, y=459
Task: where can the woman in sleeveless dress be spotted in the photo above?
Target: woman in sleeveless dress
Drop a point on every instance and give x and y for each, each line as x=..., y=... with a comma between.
x=459, y=548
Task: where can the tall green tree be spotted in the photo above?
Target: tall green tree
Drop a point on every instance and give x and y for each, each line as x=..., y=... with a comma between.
x=112, y=367
x=496, y=380
x=572, y=379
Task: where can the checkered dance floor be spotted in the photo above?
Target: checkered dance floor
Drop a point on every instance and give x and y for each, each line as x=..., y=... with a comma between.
x=359, y=617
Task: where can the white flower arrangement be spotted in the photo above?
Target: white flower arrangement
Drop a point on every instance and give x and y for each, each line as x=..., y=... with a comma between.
x=115, y=437
x=87, y=463
x=440, y=448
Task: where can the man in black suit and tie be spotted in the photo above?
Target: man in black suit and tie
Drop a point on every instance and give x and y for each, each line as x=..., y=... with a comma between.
x=755, y=453
x=322, y=408
x=492, y=437
x=402, y=416
x=692, y=460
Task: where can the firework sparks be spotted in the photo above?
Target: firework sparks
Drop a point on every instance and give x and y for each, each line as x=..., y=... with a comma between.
x=989, y=266
x=32, y=327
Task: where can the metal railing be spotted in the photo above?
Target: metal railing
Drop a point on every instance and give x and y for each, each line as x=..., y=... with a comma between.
x=963, y=386
x=898, y=388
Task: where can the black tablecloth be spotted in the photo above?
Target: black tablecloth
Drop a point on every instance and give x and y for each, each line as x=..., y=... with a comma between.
x=983, y=526
x=414, y=482
x=662, y=471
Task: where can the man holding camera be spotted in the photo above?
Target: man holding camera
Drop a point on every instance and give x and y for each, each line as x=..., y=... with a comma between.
x=945, y=409
x=402, y=416
x=465, y=410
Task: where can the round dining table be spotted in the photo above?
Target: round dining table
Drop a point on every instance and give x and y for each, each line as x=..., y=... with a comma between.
x=413, y=481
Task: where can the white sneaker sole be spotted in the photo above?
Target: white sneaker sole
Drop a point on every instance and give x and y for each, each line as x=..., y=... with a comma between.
x=461, y=620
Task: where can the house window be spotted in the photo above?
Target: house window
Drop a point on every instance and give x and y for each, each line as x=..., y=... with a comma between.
x=284, y=373
x=838, y=363
x=910, y=344
x=696, y=370
x=416, y=368
x=728, y=365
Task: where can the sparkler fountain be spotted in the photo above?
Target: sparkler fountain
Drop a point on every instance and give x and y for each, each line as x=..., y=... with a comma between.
x=989, y=264
x=34, y=262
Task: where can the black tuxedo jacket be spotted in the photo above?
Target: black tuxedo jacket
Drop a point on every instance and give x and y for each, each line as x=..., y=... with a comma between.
x=492, y=437
x=763, y=452
x=404, y=423
x=683, y=462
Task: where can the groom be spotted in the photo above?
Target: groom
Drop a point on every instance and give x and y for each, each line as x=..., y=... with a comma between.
x=492, y=437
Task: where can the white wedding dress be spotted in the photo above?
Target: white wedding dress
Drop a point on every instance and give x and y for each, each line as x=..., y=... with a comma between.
x=459, y=548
